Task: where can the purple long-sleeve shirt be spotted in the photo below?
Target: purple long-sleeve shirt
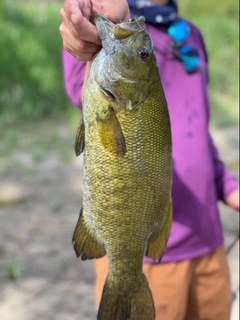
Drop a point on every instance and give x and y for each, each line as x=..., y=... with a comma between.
x=200, y=178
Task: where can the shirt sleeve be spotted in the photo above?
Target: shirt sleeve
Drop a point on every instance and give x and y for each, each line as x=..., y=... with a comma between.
x=225, y=181
x=74, y=71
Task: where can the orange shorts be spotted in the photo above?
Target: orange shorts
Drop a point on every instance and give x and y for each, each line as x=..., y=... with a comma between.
x=187, y=290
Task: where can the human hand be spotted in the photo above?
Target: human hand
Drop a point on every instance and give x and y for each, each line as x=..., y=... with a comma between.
x=233, y=200
x=79, y=35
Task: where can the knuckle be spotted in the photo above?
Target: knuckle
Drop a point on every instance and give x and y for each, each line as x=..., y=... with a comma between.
x=80, y=46
x=61, y=29
x=68, y=8
x=61, y=12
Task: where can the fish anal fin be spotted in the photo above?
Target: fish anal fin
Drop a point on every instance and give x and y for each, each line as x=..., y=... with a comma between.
x=85, y=243
x=157, y=242
x=110, y=133
x=80, y=139
x=133, y=305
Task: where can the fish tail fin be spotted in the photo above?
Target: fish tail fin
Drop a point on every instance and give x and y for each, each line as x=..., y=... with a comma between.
x=117, y=304
x=85, y=243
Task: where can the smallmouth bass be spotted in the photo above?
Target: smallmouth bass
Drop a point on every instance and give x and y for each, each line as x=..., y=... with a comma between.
x=125, y=138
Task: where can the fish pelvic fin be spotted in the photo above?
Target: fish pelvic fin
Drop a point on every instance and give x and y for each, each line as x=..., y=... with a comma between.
x=157, y=242
x=80, y=139
x=85, y=243
x=126, y=305
x=110, y=132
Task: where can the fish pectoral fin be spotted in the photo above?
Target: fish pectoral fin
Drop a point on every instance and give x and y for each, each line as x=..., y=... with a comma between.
x=157, y=242
x=85, y=243
x=110, y=132
x=130, y=304
x=80, y=139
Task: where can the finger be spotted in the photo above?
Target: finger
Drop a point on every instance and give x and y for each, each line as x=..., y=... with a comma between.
x=82, y=50
x=109, y=10
x=82, y=57
x=88, y=32
x=73, y=9
x=77, y=9
x=96, y=6
x=79, y=45
x=85, y=31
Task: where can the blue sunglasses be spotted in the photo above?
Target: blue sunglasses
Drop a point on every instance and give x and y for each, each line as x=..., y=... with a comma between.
x=189, y=56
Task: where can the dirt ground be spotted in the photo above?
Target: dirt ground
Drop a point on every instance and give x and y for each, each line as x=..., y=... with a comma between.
x=40, y=276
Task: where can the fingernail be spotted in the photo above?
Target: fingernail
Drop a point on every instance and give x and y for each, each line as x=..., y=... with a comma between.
x=74, y=18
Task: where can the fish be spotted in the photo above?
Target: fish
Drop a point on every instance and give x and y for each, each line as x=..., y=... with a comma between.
x=125, y=138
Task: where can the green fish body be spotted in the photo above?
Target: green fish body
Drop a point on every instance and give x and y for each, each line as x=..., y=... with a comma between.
x=125, y=138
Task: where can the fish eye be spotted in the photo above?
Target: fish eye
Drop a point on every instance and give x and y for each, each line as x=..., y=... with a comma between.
x=143, y=53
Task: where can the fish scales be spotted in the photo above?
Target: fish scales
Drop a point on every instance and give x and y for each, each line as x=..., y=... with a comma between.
x=127, y=167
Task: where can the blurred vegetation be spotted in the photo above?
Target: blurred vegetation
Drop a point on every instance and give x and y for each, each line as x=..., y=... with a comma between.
x=12, y=269
x=31, y=79
x=219, y=24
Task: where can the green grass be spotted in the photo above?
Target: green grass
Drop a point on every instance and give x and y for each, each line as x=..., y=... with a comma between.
x=33, y=103
x=219, y=24
x=31, y=79
x=12, y=269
